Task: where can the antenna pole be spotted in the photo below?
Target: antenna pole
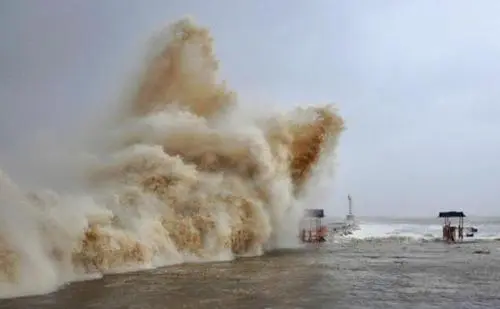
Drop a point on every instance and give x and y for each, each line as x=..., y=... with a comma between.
x=350, y=204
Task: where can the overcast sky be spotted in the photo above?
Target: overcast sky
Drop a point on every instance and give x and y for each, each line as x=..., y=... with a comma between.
x=416, y=81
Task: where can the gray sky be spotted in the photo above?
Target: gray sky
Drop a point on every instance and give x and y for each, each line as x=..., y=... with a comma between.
x=416, y=81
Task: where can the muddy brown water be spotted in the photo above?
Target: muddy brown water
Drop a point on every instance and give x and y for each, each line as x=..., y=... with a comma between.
x=355, y=274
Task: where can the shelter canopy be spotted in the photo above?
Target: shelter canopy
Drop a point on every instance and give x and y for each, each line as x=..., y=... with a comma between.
x=451, y=214
x=314, y=213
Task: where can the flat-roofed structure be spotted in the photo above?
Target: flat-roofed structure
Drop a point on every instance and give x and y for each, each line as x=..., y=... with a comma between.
x=449, y=230
x=311, y=227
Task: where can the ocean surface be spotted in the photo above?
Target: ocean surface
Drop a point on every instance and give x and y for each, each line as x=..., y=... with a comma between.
x=388, y=263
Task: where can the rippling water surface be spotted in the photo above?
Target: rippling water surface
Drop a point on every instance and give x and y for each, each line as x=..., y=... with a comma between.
x=383, y=273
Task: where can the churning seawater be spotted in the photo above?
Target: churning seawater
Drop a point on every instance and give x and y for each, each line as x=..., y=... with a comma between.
x=365, y=271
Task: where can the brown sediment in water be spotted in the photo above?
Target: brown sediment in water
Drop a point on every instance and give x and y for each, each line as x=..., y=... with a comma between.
x=169, y=78
x=9, y=262
x=197, y=191
x=308, y=142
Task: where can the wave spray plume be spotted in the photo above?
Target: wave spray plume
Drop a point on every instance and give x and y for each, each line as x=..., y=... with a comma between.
x=185, y=180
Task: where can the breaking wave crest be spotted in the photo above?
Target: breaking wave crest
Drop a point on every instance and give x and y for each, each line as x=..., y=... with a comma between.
x=427, y=231
x=186, y=177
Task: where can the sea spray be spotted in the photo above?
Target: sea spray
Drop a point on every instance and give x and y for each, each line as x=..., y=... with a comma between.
x=182, y=179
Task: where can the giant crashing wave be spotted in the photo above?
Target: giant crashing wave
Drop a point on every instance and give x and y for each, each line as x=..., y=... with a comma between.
x=186, y=179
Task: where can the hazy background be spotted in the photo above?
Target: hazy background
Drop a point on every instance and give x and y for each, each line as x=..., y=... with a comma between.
x=417, y=83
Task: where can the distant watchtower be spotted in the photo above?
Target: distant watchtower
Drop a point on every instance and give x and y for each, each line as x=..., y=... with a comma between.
x=350, y=216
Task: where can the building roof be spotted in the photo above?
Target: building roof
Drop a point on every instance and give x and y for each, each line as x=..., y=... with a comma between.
x=451, y=214
x=314, y=213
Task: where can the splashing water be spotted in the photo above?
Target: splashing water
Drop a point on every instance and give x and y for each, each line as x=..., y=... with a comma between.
x=185, y=180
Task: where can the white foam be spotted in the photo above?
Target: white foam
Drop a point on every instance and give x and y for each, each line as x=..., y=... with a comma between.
x=371, y=230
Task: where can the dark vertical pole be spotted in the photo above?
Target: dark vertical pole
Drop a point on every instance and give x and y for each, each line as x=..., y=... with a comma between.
x=310, y=230
x=318, y=230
